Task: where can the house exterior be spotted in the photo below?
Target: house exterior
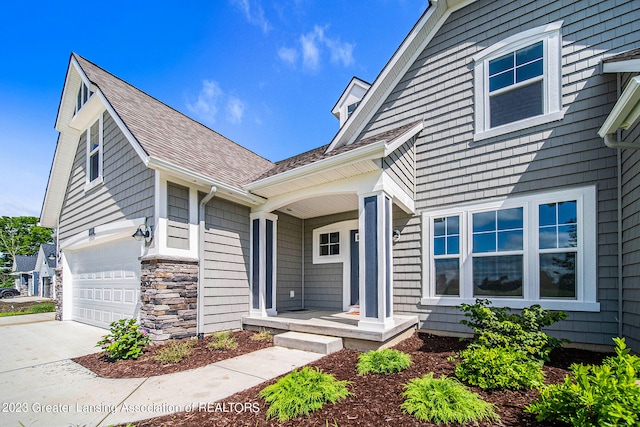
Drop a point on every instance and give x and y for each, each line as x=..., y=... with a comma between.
x=25, y=274
x=45, y=267
x=470, y=168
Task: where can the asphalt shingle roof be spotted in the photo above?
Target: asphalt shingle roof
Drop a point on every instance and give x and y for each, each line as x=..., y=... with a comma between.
x=632, y=54
x=25, y=263
x=168, y=135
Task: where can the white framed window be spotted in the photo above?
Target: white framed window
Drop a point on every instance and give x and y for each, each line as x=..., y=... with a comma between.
x=517, y=82
x=523, y=250
x=94, y=136
x=329, y=244
x=84, y=93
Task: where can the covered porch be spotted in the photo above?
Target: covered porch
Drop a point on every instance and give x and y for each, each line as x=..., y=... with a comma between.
x=321, y=246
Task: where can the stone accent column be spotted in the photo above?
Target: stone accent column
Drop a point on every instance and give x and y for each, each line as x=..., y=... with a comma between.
x=169, y=296
x=58, y=291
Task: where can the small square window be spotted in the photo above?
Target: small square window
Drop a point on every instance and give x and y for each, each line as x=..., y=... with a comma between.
x=330, y=244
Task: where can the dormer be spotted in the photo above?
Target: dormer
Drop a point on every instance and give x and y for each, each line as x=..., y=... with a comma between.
x=350, y=99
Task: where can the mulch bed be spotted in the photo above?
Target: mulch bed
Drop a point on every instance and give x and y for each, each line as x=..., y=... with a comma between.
x=146, y=366
x=376, y=398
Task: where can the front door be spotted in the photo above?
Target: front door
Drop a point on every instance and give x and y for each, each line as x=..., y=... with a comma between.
x=354, y=297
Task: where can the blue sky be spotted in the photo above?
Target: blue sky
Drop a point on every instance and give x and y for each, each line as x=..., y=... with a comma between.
x=265, y=74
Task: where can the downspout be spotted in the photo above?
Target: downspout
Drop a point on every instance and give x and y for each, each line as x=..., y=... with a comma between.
x=619, y=195
x=201, y=230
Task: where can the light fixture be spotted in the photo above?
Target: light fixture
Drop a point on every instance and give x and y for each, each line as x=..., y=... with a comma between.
x=396, y=235
x=143, y=232
x=52, y=256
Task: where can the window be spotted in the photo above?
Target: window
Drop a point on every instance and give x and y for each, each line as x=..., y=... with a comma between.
x=351, y=108
x=94, y=152
x=517, y=82
x=537, y=249
x=329, y=244
x=83, y=96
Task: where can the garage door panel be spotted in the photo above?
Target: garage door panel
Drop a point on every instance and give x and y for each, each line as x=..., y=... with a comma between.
x=106, y=282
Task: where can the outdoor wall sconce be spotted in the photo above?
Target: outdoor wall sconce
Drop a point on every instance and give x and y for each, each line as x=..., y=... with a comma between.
x=143, y=232
x=396, y=235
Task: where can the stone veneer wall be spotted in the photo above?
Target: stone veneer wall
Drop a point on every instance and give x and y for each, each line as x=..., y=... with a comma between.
x=58, y=291
x=169, y=296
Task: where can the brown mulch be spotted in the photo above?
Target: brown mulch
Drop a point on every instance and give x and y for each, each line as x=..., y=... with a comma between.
x=376, y=398
x=146, y=366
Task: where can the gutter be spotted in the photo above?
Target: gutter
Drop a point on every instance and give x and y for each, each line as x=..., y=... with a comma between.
x=624, y=113
x=201, y=211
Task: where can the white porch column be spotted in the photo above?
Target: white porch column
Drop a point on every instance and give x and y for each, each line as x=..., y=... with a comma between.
x=376, y=261
x=263, y=264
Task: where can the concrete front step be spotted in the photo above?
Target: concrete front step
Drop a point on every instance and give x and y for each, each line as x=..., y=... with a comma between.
x=309, y=342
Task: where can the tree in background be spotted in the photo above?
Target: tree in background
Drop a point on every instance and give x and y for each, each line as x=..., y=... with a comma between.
x=20, y=235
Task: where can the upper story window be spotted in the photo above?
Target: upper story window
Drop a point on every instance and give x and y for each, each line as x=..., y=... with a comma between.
x=83, y=96
x=518, y=82
x=94, y=137
x=351, y=108
x=535, y=249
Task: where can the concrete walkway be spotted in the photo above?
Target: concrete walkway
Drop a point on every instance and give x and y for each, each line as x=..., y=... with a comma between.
x=62, y=393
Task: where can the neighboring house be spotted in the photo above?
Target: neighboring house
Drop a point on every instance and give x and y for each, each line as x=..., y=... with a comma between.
x=45, y=266
x=25, y=274
x=471, y=168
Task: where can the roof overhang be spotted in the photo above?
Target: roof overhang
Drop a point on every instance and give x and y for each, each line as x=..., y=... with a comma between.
x=624, y=113
x=626, y=66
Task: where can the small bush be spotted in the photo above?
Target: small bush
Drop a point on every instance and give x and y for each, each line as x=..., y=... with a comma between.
x=605, y=395
x=175, y=351
x=445, y=400
x=496, y=327
x=263, y=335
x=125, y=340
x=384, y=361
x=45, y=307
x=222, y=341
x=499, y=368
x=302, y=392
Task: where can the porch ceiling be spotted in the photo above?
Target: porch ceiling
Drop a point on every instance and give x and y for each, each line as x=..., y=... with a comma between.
x=322, y=205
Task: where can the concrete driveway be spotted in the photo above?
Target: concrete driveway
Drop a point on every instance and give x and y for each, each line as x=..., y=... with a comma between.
x=40, y=386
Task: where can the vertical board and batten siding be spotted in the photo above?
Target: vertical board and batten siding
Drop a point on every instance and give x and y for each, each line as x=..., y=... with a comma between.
x=289, y=262
x=452, y=169
x=177, y=216
x=322, y=282
x=226, y=265
x=127, y=191
x=631, y=235
x=401, y=167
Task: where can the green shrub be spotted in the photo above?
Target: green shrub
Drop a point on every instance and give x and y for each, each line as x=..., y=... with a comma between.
x=125, y=340
x=302, y=392
x=445, y=400
x=497, y=327
x=175, y=351
x=383, y=361
x=604, y=395
x=222, y=341
x=499, y=368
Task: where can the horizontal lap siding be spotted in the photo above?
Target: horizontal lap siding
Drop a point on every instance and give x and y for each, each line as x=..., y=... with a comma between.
x=289, y=262
x=126, y=193
x=177, y=216
x=452, y=169
x=401, y=167
x=226, y=265
x=631, y=237
x=322, y=282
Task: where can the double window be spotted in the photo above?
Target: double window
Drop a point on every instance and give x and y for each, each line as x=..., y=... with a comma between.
x=84, y=93
x=518, y=82
x=535, y=249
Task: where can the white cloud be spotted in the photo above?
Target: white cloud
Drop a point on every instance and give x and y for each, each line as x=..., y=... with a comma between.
x=254, y=13
x=211, y=99
x=235, y=110
x=311, y=47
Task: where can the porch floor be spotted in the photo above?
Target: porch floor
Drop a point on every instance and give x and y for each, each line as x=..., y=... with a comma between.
x=335, y=324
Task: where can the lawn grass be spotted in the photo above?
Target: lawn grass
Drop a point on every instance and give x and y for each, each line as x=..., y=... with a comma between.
x=44, y=307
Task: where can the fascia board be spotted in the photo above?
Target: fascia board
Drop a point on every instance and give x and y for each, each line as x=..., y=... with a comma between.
x=199, y=179
x=393, y=72
x=367, y=152
x=625, y=111
x=396, y=143
x=629, y=66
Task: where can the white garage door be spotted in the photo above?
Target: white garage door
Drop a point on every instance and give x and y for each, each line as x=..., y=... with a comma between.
x=106, y=282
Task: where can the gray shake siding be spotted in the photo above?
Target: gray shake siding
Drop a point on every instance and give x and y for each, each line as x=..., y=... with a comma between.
x=631, y=237
x=401, y=166
x=322, y=282
x=226, y=263
x=452, y=169
x=289, y=262
x=126, y=193
x=177, y=216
